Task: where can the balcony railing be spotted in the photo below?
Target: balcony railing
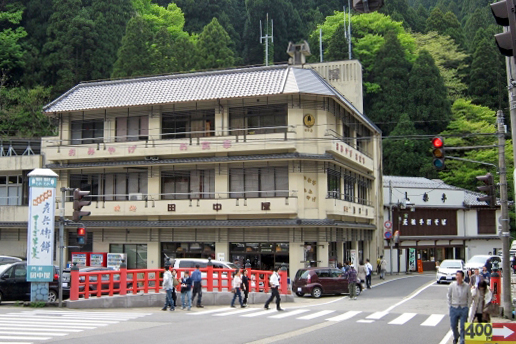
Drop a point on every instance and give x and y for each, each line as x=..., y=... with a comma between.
x=348, y=198
x=350, y=141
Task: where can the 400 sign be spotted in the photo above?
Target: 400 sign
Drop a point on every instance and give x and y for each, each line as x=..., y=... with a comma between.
x=487, y=333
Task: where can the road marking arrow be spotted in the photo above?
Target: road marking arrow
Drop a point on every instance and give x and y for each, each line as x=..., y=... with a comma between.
x=502, y=332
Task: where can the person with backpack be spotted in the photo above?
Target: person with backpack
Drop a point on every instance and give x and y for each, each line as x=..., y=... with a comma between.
x=369, y=271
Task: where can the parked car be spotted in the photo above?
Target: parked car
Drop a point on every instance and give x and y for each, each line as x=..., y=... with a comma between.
x=320, y=281
x=14, y=285
x=447, y=270
x=181, y=263
x=8, y=260
x=480, y=260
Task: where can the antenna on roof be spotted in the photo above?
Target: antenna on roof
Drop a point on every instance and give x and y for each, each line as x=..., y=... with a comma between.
x=267, y=37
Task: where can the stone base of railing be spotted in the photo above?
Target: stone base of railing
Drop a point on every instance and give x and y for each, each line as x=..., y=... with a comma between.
x=157, y=300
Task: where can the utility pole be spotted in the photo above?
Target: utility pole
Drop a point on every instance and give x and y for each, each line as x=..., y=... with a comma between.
x=267, y=37
x=61, y=245
x=505, y=233
x=390, y=219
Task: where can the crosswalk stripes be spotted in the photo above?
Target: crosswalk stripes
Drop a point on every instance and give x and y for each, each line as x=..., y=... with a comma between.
x=402, y=319
x=430, y=320
x=315, y=315
x=39, y=325
x=433, y=320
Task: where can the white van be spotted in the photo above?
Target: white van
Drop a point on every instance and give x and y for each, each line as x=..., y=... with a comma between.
x=190, y=263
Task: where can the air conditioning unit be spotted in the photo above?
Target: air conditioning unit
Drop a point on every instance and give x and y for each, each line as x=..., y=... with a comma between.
x=135, y=196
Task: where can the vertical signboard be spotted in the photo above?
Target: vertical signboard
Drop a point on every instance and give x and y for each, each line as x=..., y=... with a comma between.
x=40, y=236
x=412, y=259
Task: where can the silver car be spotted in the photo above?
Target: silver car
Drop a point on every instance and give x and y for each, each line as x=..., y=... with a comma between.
x=446, y=272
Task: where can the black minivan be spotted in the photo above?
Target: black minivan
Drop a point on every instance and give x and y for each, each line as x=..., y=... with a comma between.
x=14, y=285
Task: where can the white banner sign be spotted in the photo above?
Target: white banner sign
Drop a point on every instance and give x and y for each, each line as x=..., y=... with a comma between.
x=40, y=236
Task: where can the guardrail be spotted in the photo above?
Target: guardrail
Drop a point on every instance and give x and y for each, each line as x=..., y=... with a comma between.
x=134, y=281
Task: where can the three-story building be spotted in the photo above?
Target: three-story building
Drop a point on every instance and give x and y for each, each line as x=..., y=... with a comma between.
x=270, y=164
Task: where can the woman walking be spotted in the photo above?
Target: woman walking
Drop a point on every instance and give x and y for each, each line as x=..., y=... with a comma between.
x=237, y=285
x=245, y=286
x=186, y=290
x=481, y=303
x=362, y=273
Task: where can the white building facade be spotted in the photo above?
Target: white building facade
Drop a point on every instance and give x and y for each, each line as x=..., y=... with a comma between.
x=436, y=221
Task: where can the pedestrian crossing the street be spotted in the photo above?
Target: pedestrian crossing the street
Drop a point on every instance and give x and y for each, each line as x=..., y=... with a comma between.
x=303, y=314
x=40, y=325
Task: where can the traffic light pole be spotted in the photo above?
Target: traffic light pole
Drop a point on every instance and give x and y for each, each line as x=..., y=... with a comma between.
x=505, y=234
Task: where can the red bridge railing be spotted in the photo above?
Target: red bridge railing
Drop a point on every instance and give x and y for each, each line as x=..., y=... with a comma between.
x=134, y=281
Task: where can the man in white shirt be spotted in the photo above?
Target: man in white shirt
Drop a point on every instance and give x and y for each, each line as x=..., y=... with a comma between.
x=459, y=301
x=369, y=272
x=274, y=283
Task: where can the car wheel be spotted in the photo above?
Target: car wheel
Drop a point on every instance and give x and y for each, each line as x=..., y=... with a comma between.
x=1, y=297
x=316, y=292
x=438, y=281
x=359, y=290
x=52, y=296
x=300, y=294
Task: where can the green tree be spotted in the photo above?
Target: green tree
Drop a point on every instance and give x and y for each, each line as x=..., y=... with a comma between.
x=486, y=79
x=134, y=58
x=445, y=24
x=162, y=53
x=11, y=51
x=428, y=105
x=337, y=47
x=185, y=55
x=390, y=72
x=111, y=17
x=402, y=154
x=69, y=47
x=214, y=47
x=449, y=58
x=21, y=112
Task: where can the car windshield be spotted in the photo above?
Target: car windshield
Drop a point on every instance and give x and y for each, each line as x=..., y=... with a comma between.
x=450, y=265
x=232, y=266
x=4, y=268
x=477, y=259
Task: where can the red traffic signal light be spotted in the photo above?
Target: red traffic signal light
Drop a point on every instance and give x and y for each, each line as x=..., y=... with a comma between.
x=504, y=14
x=488, y=188
x=78, y=203
x=438, y=152
x=82, y=236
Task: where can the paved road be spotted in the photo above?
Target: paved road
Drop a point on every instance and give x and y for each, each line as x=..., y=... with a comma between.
x=411, y=309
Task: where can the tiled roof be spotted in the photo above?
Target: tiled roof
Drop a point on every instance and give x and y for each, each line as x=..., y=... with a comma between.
x=223, y=84
x=470, y=197
x=216, y=223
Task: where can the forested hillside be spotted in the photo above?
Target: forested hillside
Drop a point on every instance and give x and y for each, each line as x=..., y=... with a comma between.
x=430, y=66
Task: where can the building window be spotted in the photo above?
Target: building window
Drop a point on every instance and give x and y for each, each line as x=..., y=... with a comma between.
x=486, y=220
x=187, y=124
x=258, y=182
x=136, y=254
x=11, y=188
x=112, y=186
x=349, y=187
x=363, y=190
x=188, y=250
x=87, y=131
x=333, y=184
x=262, y=119
x=261, y=256
x=188, y=184
x=132, y=128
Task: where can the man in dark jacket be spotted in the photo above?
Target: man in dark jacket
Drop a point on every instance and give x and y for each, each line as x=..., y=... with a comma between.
x=351, y=275
x=197, y=286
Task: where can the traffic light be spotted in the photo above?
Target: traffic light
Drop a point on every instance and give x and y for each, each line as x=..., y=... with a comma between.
x=488, y=188
x=366, y=6
x=438, y=152
x=504, y=13
x=78, y=203
x=82, y=236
